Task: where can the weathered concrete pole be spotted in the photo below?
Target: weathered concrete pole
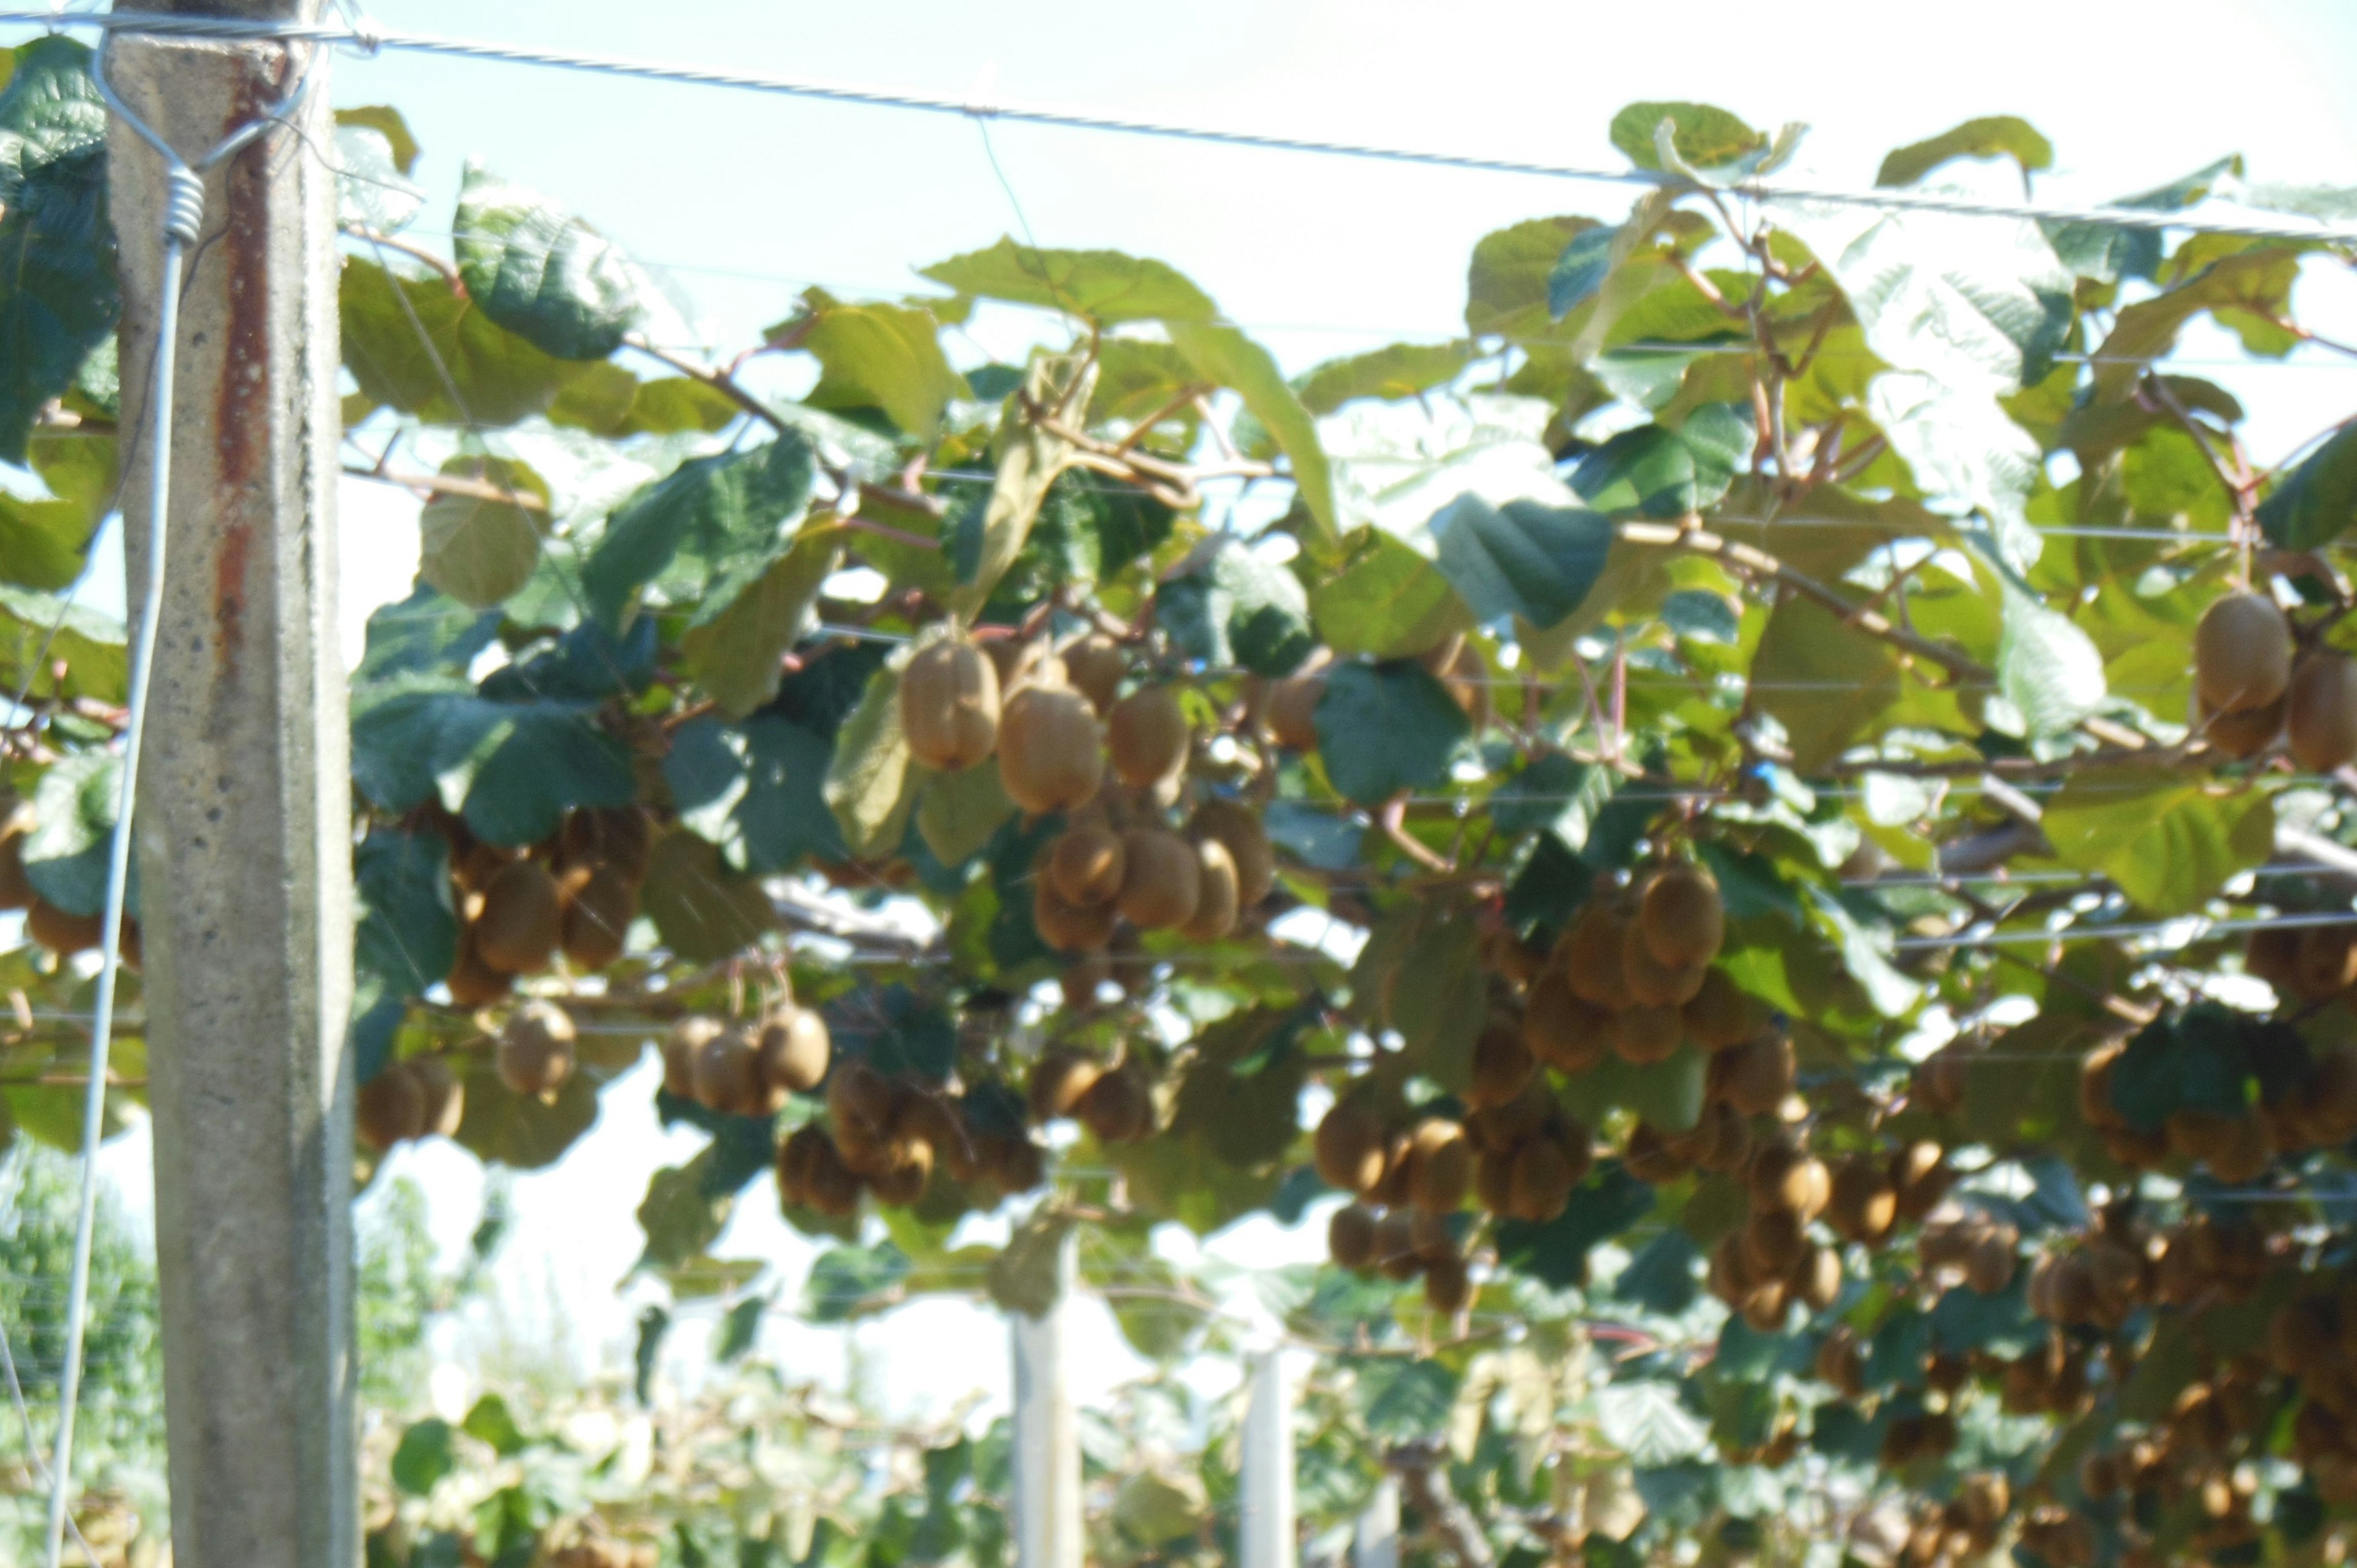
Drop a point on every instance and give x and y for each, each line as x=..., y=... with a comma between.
x=244, y=809
x=1265, y=1535
x=1047, y=1521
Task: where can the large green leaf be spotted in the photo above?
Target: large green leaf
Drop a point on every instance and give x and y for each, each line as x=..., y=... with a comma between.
x=755, y=789
x=706, y=534
x=1705, y=137
x=1383, y=728
x=66, y=853
x=511, y=768
x=1667, y=473
x=419, y=346
x=408, y=932
x=880, y=355
x=1823, y=679
x=1509, y=282
x=2315, y=503
x=703, y=911
x=375, y=155
x=2108, y=252
x=1398, y=371
x=1238, y=607
x=1225, y=356
x=479, y=549
x=541, y=273
x=428, y=633
x=1601, y=1208
x=990, y=537
x=739, y=656
x=1993, y=136
x=58, y=296
x=871, y=782
x=1103, y=286
x=41, y=634
x=2256, y=282
x=1523, y=558
x=1389, y=602
x=2170, y=842
x=2049, y=668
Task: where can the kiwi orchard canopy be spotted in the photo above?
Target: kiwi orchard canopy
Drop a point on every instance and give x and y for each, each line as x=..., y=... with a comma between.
x=1693, y=683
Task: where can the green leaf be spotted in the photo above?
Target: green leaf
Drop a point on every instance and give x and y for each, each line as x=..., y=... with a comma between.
x=1647, y=1421
x=2168, y=842
x=1556, y=1254
x=2254, y=282
x=880, y=355
x=1706, y=137
x=73, y=821
x=871, y=783
x=959, y=812
x=1436, y=998
x=1668, y=473
x=476, y=549
x=425, y=1454
x=1823, y=679
x=386, y=122
x=737, y=657
x=1509, y=280
x=51, y=109
x=408, y=931
x=1523, y=558
x=428, y=633
x=1238, y=607
x=522, y=1131
x=489, y=1421
x=1383, y=728
x=1660, y=1277
x=601, y=397
x=1388, y=602
x=541, y=273
x=703, y=911
x=39, y=632
x=1104, y=286
x=740, y=1330
x=680, y=1214
x=374, y=152
x=399, y=356
x=1030, y=459
x=846, y=1282
x=2108, y=253
x=706, y=534
x=1995, y=136
x=2048, y=668
x=1403, y=1399
x=59, y=294
x=512, y=769
x=2316, y=502
x=1225, y=356
x=1396, y=372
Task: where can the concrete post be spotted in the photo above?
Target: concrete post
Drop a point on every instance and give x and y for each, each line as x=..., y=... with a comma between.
x=1375, y=1542
x=245, y=812
x=1266, y=1534
x=1047, y=1530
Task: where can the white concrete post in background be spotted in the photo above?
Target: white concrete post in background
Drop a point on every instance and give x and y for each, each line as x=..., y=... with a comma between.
x=1375, y=1542
x=1266, y=1534
x=1047, y=1430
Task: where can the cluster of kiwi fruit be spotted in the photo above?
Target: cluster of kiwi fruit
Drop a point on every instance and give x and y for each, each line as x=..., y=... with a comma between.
x=2252, y=683
x=575, y=894
x=1632, y=975
x=1775, y=1257
x=61, y=932
x=747, y=1070
x=2237, y=1147
x=1114, y=1100
x=1966, y=1527
x=888, y=1134
x=420, y=1097
x=600, y=1552
x=1068, y=740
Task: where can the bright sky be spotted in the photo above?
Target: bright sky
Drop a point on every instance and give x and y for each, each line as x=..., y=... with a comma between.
x=742, y=200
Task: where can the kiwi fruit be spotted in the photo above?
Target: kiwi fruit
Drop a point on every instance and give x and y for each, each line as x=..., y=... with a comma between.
x=61, y=932
x=1494, y=1180
x=1395, y=1254
x=390, y=1109
x=474, y=866
x=1067, y=927
x=798, y=1157
x=859, y=1101
x=1767, y=1306
x=1058, y=1081
x=1146, y=735
x=597, y=919
x=523, y=920
x=2303, y=1338
x=444, y=1096
x=2272, y=954
x=1162, y=880
x=794, y=1047
x=728, y=1077
x=1292, y=711
x=472, y=982
x=1919, y=1179
x=1349, y=1147
x=1650, y=1159
x=1457, y=664
x=899, y=1186
x=1861, y=1205
x=1990, y=1261
x=1237, y=827
x=1117, y=1108
x=1086, y=864
x=1816, y=1279
x=682, y=1046
x=2244, y=735
x=1643, y=1036
x=1790, y=1181
x=834, y=1186
x=1539, y=1188
x=948, y=704
x=1216, y=896
x=1754, y=1076
x=1682, y=917
x=16, y=887
x=1652, y=983
x=536, y=1048
x=2095, y=1085
x=2243, y=1156
x=1723, y=1139
x=1503, y=1066
x=1049, y=757
x=1095, y=664
x=1019, y=663
x=1719, y=1014
x=1017, y=1165
x=1440, y=1165
x=1937, y=1084
x=1591, y=957
x=1447, y=1286
x=619, y=839
x=1350, y=1237
x=922, y=1117
x=2322, y=720
x=1775, y=1240
x=1430, y=1234
x=1566, y=1032
x=2242, y=653
x=1399, y=1170
x=1841, y=1362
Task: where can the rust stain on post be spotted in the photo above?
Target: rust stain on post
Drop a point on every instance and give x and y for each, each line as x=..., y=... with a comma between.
x=243, y=396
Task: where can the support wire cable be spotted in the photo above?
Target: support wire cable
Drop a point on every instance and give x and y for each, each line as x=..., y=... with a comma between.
x=182, y=231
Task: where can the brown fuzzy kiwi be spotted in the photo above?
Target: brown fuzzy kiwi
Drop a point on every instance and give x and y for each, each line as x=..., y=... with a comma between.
x=1085, y=864
x=922, y=1117
x=795, y=1047
x=1503, y=1066
x=1768, y=1306
x=1494, y=1180
x=1576, y=1141
x=16, y=887
x=2242, y=653
x=1018, y=1165
x=1349, y=1147
x=1018, y=663
x=1566, y=1033
x=833, y=1186
x=1059, y=1080
x=2272, y=954
x=390, y=1108
x=728, y=1077
x=2096, y=1107
x=475, y=866
x=1146, y=736
x=1395, y=1254
x=1652, y=983
x=1643, y=1036
x=1591, y=956
x=1505, y=1125
x=1755, y=1077
x=1082, y=980
x=536, y=1049
x=1650, y=1159
x=1350, y=1237
x=2303, y=1338
x=1216, y=896
x=1841, y=1362
x=948, y=704
x=472, y=982
x=1440, y=1165
x=859, y=1101
x=2321, y=717
x=1430, y=1232
x=1789, y=1180
x=61, y=933
x=2244, y=1155
x=1118, y=1109
x=617, y=838
x=1721, y=1139
x=1937, y=1084
x=1095, y=664
x=1239, y=828
x=597, y=919
x=1399, y=1170
x=1071, y=928
x=1448, y=1288
x=1990, y=1261
x=1292, y=711
x=899, y=1186
x=1540, y=1185
x=2326, y=962
x=1986, y=1496
x=1919, y=1178
x=1862, y=1205
x=523, y=920
x=681, y=1047
x=2244, y=735
x=1682, y=917
x=444, y=1096
x=1161, y=879
x=1049, y=752
x=797, y=1156
x=1816, y=1279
